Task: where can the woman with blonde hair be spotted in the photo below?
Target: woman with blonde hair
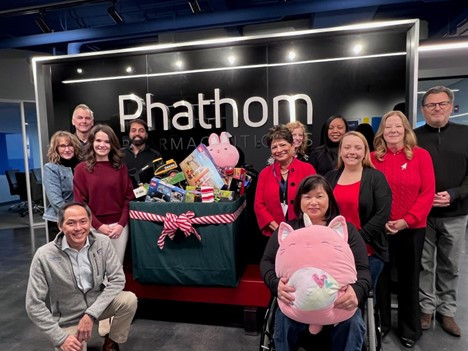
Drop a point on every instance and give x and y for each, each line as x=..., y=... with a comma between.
x=410, y=173
x=363, y=196
x=102, y=182
x=63, y=154
x=300, y=139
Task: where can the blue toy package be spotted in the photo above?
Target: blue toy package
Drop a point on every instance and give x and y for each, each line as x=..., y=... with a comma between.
x=162, y=192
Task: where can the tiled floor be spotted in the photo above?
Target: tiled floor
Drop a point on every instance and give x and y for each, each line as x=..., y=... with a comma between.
x=163, y=326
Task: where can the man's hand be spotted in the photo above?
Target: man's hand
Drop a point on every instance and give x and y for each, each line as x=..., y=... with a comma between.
x=284, y=292
x=85, y=328
x=116, y=231
x=71, y=343
x=441, y=199
x=348, y=301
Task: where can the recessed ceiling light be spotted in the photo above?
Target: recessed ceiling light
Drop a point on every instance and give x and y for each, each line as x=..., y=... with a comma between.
x=179, y=64
x=129, y=69
x=291, y=55
x=357, y=48
x=231, y=59
x=79, y=70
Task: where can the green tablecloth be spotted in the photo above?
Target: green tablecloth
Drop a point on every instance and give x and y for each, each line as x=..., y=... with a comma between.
x=213, y=261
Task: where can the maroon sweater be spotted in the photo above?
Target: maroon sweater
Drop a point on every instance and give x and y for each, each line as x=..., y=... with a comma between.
x=106, y=190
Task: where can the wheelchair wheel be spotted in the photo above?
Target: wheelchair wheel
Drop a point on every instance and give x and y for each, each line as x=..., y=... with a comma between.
x=266, y=339
x=373, y=341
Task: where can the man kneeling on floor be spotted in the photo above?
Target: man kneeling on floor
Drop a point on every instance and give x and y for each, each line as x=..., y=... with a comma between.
x=76, y=280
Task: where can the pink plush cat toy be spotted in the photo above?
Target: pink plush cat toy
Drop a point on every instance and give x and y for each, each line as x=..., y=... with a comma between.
x=319, y=264
x=224, y=154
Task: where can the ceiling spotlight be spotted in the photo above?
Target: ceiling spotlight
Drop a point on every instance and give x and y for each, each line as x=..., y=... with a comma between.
x=41, y=23
x=194, y=6
x=291, y=55
x=357, y=48
x=231, y=59
x=79, y=70
x=179, y=64
x=112, y=11
x=129, y=69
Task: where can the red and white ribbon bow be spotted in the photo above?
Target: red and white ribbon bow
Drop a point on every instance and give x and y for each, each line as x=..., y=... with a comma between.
x=184, y=222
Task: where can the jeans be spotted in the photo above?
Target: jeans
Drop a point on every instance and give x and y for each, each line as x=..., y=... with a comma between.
x=376, y=266
x=345, y=336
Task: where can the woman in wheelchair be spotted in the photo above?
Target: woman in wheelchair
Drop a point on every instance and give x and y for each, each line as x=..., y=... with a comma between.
x=315, y=198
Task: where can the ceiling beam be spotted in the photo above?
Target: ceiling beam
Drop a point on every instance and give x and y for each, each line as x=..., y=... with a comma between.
x=245, y=16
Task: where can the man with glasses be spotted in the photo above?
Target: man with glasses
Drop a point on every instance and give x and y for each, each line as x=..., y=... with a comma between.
x=447, y=142
x=83, y=121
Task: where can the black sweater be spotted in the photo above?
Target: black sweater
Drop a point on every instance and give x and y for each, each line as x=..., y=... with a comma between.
x=448, y=147
x=375, y=202
x=358, y=248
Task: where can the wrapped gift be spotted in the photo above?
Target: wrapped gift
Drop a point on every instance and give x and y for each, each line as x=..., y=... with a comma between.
x=187, y=243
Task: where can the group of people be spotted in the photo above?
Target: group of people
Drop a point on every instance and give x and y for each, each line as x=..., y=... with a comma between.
x=88, y=187
x=406, y=200
x=405, y=203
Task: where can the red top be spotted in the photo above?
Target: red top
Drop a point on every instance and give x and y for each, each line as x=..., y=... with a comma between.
x=106, y=190
x=267, y=196
x=347, y=198
x=412, y=183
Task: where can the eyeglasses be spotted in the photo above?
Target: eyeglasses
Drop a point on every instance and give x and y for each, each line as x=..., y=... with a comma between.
x=432, y=106
x=63, y=146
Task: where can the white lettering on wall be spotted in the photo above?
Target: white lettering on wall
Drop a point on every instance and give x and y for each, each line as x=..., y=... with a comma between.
x=188, y=117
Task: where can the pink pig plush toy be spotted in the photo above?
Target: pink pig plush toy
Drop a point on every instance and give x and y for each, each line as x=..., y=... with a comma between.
x=319, y=264
x=224, y=154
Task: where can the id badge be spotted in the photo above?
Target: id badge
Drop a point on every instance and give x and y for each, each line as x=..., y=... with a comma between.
x=284, y=207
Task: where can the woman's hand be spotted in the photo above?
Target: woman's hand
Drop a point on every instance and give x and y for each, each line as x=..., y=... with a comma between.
x=105, y=229
x=284, y=291
x=116, y=231
x=348, y=301
x=394, y=227
x=273, y=225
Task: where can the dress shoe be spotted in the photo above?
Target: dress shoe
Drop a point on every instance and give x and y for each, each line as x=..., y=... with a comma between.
x=426, y=320
x=408, y=343
x=110, y=345
x=449, y=325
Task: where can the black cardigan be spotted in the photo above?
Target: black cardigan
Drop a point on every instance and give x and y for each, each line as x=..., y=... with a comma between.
x=355, y=242
x=375, y=202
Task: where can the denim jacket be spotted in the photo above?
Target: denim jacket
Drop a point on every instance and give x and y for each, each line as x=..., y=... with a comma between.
x=58, y=185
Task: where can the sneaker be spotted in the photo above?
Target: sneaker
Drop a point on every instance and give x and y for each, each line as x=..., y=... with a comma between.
x=449, y=325
x=426, y=320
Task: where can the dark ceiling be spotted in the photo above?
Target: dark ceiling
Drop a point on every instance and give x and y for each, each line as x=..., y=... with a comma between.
x=86, y=25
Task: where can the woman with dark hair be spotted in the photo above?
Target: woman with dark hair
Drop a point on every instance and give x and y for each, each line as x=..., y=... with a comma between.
x=63, y=155
x=102, y=182
x=410, y=173
x=364, y=197
x=315, y=198
x=325, y=157
x=300, y=139
x=277, y=183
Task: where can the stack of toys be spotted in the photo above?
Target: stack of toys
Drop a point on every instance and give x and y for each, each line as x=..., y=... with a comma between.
x=208, y=174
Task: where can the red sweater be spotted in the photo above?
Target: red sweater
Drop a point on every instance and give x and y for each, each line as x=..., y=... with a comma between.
x=412, y=183
x=267, y=198
x=106, y=190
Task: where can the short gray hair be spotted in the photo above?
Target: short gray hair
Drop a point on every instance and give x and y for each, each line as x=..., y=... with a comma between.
x=436, y=90
x=61, y=212
x=83, y=107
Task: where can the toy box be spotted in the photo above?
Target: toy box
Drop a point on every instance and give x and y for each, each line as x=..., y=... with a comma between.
x=160, y=191
x=200, y=169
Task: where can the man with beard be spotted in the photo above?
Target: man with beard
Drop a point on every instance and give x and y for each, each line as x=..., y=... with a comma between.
x=138, y=154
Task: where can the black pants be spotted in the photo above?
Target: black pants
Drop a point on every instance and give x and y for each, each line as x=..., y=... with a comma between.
x=405, y=257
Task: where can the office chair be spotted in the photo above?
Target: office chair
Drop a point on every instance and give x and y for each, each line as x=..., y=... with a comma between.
x=36, y=193
x=14, y=190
